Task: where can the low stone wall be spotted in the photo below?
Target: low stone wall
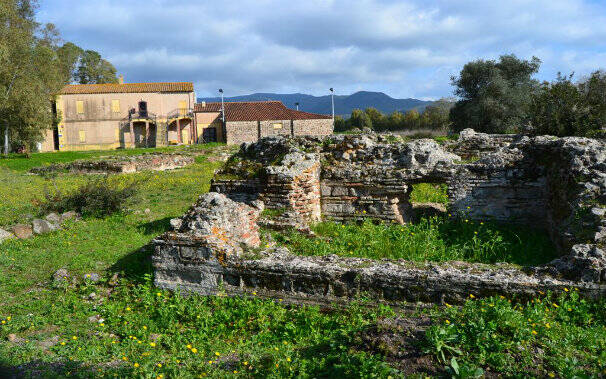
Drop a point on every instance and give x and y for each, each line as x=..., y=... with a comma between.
x=280, y=274
x=126, y=164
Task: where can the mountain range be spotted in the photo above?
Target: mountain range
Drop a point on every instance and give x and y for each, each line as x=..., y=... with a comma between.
x=344, y=104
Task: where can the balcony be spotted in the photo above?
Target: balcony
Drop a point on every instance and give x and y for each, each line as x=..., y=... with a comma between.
x=180, y=113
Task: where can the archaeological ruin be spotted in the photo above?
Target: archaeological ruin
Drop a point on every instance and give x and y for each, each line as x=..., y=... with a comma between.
x=557, y=184
x=120, y=164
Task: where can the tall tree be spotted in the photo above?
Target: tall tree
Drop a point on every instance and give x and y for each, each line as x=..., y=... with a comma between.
x=494, y=95
x=69, y=56
x=412, y=119
x=28, y=74
x=93, y=69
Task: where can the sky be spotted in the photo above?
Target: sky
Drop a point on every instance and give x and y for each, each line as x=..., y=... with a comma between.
x=403, y=48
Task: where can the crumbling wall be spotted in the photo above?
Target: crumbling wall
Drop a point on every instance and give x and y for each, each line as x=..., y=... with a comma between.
x=125, y=164
x=555, y=183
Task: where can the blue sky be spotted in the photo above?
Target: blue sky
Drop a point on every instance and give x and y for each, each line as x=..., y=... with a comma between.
x=402, y=48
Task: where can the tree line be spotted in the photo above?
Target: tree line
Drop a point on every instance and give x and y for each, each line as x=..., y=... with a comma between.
x=434, y=116
x=502, y=96
x=34, y=65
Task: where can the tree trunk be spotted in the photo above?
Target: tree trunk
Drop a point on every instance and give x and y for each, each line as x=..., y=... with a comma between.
x=6, y=139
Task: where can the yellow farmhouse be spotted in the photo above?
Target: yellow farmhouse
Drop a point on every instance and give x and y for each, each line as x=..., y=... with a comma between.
x=110, y=116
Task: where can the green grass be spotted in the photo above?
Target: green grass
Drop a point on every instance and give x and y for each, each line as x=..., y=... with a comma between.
x=149, y=333
x=557, y=335
x=435, y=239
x=429, y=193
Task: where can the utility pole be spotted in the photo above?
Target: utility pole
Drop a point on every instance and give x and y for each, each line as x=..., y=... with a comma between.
x=332, y=100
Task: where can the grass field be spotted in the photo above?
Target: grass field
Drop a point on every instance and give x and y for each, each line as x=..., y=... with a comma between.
x=129, y=328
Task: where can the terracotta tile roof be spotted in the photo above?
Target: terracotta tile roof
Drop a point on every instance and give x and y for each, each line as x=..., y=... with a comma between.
x=126, y=88
x=258, y=111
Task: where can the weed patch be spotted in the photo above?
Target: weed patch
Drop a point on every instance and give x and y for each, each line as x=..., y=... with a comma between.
x=431, y=239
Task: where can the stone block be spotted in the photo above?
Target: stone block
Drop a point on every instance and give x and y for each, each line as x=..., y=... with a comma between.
x=70, y=215
x=22, y=231
x=40, y=226
x=4, y=235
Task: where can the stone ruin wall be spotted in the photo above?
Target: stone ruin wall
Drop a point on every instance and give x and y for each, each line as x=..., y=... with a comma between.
x=557, y=184
x=117, y=165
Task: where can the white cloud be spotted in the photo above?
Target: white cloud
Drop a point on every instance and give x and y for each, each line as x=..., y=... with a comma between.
x=405, y=48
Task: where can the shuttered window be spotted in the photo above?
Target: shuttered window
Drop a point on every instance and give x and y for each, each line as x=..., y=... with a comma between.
x=79, y=106
x=182, y=108
x=82, y=135
x=116, y=106
x=277, y=125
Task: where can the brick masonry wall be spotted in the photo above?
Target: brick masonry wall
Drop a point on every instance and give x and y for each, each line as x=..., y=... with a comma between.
x=320, y=127
x=238, y=132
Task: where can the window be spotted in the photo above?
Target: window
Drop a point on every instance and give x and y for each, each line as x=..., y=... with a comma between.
x=277, y=125
x=116, y=106
x=82, y=135
x=79, y=106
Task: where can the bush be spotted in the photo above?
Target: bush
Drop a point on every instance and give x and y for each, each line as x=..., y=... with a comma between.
x=97, y=197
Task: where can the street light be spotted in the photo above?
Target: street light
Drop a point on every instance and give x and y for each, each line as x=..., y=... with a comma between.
x=222, y=106
x=332, y=100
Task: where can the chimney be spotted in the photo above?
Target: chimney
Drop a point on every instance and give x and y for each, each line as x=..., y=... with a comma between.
x=121, y=79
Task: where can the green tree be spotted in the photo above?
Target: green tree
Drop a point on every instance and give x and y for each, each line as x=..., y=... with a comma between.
x=93, y=69
x=494, y=96
x=29, y=74
x=360, y=119
x=377, y=119
x=436, y=115
x=560, y=108
x=593, y=90
x=395, y=121
x=412, y=119
x=69, y=57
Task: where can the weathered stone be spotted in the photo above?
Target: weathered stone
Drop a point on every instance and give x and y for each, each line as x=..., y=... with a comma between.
x=61, y=276
x=53, y=218
x=40, y=226
x=4, y=235
x=70, y=215
x=22, y=231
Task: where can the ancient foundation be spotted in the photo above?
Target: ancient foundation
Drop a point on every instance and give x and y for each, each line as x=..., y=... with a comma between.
x=120, y=164
x=558, y=184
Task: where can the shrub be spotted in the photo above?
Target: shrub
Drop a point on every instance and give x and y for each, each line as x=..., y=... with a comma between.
x=97, y=197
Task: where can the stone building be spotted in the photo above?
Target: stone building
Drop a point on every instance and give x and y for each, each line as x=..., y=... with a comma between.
x=109, y=116
x=249, y=121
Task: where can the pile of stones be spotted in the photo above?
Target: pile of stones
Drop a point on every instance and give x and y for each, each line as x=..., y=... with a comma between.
x=51, y=222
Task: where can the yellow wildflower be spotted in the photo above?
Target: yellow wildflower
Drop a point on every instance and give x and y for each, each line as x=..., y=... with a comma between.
x=194, y=350
x=136, y=365
x=534, y=332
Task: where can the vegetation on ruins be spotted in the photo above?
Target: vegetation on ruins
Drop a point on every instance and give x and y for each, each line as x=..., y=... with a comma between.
x=437, y=239
x=98, y=197
x=34, y=66
x=73, y=325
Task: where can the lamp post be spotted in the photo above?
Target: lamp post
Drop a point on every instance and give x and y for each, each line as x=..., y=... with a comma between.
x=222, y=106
x=297, y=105
x=332, y=100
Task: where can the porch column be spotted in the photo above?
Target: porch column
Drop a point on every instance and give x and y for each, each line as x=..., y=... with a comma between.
x=191, y=132
x=146, y=133
x=179, y=139
x=132, y=133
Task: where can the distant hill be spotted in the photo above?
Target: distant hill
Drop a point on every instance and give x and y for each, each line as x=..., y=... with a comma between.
x=343, y=104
